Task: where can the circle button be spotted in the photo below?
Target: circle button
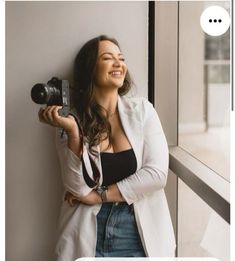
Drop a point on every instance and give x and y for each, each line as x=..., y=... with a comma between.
x=215, y=20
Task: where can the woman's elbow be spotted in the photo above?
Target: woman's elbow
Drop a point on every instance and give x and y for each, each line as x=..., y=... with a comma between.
x=75, y=183
x=160, y=178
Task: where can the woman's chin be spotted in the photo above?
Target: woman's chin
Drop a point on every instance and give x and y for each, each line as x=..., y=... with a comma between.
x=111, y=85
x=117, y=83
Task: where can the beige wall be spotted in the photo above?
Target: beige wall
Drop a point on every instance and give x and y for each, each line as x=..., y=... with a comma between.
x=42, y=39
x=166, y=67
x=166, y=85
x=191, y=68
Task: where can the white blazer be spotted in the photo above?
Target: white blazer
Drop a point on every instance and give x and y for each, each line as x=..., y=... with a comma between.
x=144, y=189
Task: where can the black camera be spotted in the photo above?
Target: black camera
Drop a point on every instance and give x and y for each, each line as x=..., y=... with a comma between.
x=55, y=92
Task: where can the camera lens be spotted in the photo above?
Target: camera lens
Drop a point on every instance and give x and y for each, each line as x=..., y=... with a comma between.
x=39, y=93
x=45, y=94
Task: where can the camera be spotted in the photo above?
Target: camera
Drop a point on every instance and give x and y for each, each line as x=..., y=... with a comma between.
x=55, y=92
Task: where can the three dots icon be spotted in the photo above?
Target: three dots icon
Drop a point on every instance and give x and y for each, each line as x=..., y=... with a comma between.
x=215, y=20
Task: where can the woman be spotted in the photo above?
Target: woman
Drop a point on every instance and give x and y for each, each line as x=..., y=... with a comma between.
x=123, y=211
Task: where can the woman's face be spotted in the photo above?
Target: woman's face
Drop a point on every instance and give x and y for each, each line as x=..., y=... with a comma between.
x=110, y=67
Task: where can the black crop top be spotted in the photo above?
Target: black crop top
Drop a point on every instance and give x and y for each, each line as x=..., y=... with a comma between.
x=117, y=166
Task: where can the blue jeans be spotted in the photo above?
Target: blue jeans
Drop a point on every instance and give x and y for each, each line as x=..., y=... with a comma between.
x=117, y=233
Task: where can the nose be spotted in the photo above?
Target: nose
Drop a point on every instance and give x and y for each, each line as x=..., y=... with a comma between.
x=116, y=62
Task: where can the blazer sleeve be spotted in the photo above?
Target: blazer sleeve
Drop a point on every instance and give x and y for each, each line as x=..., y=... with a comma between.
x=71, y=167
x=153, y=174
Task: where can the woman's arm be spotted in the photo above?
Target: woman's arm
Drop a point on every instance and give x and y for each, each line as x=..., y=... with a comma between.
x=93, y=198
x=153, y=174
x=68, y=149
x=74, y=141
x=68, y=146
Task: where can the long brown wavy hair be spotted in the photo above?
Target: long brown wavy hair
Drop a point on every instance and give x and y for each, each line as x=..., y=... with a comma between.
x=91, y=115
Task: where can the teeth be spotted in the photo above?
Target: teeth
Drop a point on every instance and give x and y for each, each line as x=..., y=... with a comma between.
x=116, y=73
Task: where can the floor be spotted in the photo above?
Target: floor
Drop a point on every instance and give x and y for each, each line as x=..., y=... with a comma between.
x=211, y=147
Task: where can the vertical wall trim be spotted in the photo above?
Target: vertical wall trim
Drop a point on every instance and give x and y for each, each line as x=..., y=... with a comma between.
x=232, y=55
x=151, y=52
x=177, y=129
x=178, y=69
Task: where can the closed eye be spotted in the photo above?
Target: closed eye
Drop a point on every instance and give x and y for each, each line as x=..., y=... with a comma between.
x=110, y=58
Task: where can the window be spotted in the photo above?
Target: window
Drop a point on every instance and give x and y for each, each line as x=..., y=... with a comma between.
x=201, y=231
x=204, y=89
x=192, y=97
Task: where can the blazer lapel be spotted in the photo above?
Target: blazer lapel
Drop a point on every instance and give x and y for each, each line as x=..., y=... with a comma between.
x=130, y=117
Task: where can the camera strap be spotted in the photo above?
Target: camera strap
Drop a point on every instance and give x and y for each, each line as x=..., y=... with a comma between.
x=90, y=169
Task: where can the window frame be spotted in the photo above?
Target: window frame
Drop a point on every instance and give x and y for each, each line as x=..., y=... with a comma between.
x=208, y=185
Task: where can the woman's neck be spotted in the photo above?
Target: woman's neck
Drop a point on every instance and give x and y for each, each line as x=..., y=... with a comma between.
x=108, y=101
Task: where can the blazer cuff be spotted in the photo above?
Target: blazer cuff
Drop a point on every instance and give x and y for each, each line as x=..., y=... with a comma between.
x=126, y=191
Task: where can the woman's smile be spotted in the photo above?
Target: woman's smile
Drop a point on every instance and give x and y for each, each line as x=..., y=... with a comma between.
x=116, y=74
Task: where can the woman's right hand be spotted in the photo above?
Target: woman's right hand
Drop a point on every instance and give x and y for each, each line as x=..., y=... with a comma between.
x=50, y=116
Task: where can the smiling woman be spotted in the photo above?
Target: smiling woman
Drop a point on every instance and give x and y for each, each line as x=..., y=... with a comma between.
x=114, y=178
x=110, y=68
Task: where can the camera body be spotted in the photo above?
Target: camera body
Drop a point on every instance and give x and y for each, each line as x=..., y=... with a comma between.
x=55, y=92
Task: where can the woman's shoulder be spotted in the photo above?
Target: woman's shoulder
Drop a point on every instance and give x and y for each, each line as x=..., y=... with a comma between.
x=140, y=103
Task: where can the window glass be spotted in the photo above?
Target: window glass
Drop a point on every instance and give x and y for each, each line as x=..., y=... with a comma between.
x=204, y=89
x=201, y=231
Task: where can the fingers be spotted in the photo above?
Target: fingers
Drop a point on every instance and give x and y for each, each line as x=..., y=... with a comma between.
x=68, y=198
x=71, y=199
x=40, y=116
x=49, y=115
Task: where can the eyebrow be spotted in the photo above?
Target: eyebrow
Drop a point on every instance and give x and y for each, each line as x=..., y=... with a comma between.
x=110, y=54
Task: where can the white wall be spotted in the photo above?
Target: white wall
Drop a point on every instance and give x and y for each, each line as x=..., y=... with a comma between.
x=42, y=39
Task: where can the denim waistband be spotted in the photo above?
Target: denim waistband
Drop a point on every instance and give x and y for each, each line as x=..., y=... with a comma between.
x=116, y=203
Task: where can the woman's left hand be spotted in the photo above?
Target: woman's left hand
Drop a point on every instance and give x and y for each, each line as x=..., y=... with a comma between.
x=92, y=198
